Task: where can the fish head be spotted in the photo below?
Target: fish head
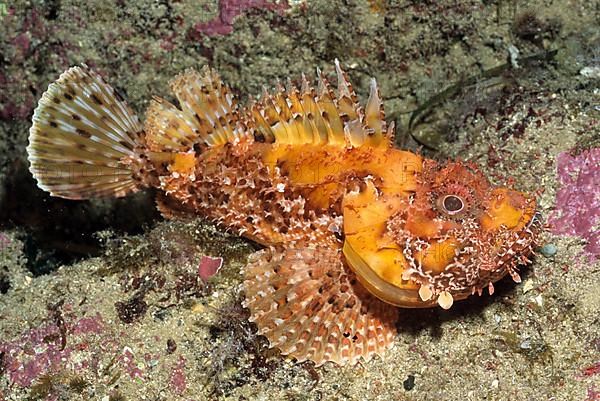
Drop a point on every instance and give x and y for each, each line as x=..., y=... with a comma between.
x=451, y=235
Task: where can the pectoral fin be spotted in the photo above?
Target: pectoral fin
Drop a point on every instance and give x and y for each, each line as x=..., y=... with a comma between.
x=310, y=306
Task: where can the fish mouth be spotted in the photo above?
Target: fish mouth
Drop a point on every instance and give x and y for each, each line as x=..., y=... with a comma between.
x=378, y=286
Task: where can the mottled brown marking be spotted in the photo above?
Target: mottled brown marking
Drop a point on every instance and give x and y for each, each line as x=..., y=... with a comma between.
x=126, y=144
x=83, y=133
x=96, y=99
x=117, y=94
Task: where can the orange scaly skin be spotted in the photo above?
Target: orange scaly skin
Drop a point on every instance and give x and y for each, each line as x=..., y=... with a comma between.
x=352, y=226
x=283, y=194
x=367, y=201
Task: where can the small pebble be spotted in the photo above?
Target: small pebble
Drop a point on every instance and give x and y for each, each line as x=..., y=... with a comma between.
x=528, y=286
x=549, y=250
x=590, y=72
x=539, y=300
x=171, y=346
x=409, y=383
x=198, y=308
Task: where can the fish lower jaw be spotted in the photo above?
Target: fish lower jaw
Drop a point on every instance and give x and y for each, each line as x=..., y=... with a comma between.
x=387, y=292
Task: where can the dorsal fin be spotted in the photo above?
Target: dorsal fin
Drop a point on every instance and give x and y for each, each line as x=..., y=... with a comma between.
x=318, y=115
x=208, y=113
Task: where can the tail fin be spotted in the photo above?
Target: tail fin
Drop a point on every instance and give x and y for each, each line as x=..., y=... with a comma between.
x=82, y=134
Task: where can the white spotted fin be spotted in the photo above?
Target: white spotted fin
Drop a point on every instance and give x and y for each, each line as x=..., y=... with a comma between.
x=83, y=132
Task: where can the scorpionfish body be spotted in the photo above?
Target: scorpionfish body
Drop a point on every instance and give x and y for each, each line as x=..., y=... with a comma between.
x=351, y=226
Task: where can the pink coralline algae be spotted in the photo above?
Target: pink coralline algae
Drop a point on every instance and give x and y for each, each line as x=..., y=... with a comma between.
x=28, y=38
x=4, y=241
x=128, y=363
x=592, y=370
x=178, y=381
x=209, y=266
x=38, y=351
x=577, y=209
x=593, y=394
x=229, y=10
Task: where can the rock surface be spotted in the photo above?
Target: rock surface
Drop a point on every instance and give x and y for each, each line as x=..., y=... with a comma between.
x=101, y=300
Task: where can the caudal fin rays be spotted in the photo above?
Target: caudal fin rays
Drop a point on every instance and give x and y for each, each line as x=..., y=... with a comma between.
x=83, y=132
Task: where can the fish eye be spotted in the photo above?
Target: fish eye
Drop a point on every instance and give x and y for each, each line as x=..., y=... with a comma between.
x=452, y=204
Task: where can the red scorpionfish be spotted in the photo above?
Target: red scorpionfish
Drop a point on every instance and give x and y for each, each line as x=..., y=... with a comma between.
x=352, y=227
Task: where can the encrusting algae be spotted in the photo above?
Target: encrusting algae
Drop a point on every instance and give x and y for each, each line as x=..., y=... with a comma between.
x=352, y=227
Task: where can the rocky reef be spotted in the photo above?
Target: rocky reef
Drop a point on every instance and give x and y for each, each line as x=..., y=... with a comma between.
x=104, y=300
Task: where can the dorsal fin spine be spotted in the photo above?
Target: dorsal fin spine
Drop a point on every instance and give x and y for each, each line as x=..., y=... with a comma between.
x=314, y=115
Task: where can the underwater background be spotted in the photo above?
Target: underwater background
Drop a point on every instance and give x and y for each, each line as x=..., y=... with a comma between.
x=105, y=300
